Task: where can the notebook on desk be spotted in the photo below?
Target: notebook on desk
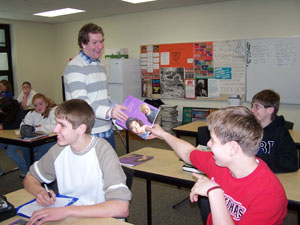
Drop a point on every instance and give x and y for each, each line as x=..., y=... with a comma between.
x=28, y=208
x=37, y=135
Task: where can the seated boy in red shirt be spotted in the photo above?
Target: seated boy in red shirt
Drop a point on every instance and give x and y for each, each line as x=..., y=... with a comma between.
x=240, y=187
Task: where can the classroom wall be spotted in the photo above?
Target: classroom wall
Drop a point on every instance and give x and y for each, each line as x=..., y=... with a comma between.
x=241, y=19
x=33, y=55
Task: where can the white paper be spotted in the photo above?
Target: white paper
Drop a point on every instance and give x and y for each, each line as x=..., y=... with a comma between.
x=28, y=209
x=165, y=58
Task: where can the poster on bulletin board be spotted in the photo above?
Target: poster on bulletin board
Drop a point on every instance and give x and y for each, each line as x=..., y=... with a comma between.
x=196, y=70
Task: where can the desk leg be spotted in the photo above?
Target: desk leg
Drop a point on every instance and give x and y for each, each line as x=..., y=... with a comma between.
x=31, y=153
x=127, y=142
x=149, y=203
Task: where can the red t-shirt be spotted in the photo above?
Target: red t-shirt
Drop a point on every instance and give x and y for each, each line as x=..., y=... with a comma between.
x=258, y=198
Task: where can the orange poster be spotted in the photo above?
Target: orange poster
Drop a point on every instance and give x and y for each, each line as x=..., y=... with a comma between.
x=177, y=55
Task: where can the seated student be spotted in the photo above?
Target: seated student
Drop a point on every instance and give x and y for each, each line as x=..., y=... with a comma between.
x=240, y=187
x=138, y=127
x=11, y=115
x=149, y=113
x=277, y=148
x=5, y=89
x=84, y=166
x=25, y=97
x=43, y=119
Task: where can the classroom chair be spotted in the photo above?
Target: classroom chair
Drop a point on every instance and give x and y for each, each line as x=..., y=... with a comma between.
x=129, y=176
x=289, y=125
x=129, y=179
x=63, y=88
x=203, y=136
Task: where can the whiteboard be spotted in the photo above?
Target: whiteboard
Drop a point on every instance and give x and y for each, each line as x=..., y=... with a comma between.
x=274, y=64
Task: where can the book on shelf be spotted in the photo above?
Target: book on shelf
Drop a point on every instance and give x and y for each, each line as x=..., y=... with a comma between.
x=190, y=168
x=141, y=116
x=134, y=159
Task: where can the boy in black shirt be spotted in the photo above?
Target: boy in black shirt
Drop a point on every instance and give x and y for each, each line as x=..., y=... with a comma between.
x=277, y=148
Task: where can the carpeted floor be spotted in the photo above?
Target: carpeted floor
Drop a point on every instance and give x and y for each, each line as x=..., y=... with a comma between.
x=163, y=196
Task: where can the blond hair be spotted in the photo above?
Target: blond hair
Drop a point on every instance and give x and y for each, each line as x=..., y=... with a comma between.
x=237, y=124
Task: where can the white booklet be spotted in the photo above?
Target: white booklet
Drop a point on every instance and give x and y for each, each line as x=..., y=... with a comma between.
x=190, y=168
x=28, y=208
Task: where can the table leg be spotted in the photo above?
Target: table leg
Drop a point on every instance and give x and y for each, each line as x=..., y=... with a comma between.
x=31, y=153
x=127, y=142
x=149, y=203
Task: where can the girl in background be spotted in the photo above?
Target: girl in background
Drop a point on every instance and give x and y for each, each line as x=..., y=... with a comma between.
x=5, y=89
x=43, y=119
x=11, y=115
x=25, y=97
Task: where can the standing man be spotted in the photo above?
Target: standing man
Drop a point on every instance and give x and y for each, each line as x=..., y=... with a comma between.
x=85, y=78
x=277, y=148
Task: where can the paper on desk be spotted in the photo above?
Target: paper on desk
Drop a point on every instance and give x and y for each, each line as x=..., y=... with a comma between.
x=28, y=208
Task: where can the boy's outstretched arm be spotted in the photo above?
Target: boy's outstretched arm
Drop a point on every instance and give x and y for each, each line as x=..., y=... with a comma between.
x=182, y=148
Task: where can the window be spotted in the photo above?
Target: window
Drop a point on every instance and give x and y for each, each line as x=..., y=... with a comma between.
x=6, y=72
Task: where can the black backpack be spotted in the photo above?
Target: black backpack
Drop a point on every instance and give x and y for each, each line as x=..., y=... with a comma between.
x=7, y=210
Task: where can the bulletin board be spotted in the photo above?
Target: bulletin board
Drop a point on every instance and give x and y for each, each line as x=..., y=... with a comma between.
x=198, y=70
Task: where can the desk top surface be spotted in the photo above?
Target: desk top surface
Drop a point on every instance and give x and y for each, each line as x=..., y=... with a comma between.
x=193, y=127
x=21, y=196
x=15, y=134
x=166, y=163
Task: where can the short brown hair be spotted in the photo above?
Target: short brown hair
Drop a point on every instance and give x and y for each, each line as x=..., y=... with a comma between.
x=83, y=35
x=7, y=85
x=26, y=82
x=76, y=112
x=237, y=124
x=268, y=98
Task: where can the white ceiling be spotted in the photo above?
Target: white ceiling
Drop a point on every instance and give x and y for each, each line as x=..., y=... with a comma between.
x=23, y=9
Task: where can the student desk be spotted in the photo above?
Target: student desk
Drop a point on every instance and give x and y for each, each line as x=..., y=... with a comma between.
x=21, y=196
x=295, y=135
x=166, y=167
x=10, y=137
x=191, y=129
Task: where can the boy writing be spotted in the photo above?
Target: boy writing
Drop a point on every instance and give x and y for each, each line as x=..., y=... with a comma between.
x=85, y=167
x=241, y=188
x=277, y=148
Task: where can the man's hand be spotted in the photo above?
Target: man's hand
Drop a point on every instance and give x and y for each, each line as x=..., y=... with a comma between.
x=43, y=199
x=48, y=214
x=201, y=186
x=118, y=113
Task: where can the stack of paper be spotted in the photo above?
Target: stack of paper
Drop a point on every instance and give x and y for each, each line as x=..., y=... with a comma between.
x=169, y=117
